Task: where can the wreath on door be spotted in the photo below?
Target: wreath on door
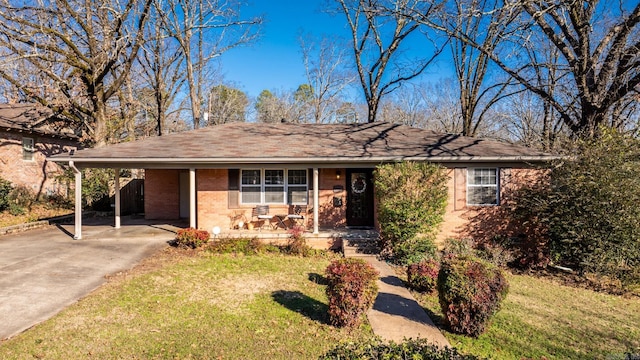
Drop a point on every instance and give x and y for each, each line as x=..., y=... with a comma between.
x=358, y=185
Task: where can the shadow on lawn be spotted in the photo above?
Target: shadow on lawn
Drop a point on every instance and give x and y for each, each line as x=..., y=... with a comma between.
x=318, y=279
x=303, y=304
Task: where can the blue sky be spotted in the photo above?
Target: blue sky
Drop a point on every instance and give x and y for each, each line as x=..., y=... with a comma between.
x=275, y=61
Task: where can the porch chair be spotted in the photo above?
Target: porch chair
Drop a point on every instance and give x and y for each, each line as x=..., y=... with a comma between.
x=297, y=215
x=261, y=212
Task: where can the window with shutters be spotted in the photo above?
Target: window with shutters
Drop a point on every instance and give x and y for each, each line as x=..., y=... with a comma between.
x=482, y=186
x=273, y=186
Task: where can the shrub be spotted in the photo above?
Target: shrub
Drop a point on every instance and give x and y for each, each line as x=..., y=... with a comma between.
x=458, y=247
x=5, y=189
x=297, y=244
x=590, y=210
x=412, y=200
x=15, y=209
x=409, y=349
x=247, y=246
x=192, y=238
x=470, y=291
x=351, y=289
x=423, y=276
x=22, y=196
x=414, y=250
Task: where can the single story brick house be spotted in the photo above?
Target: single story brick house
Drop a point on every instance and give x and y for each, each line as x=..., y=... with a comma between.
x=212, y=175
x=28, y=134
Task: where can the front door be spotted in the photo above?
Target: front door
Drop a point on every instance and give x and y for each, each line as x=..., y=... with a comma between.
x=360, y=197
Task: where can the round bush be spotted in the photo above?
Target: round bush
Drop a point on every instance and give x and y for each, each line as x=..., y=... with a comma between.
x=470, y=291
x=351, y=289
x=423, y=276
x=192, y=238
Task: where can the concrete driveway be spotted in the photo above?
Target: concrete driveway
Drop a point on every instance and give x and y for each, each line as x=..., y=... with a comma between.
x=42, y=271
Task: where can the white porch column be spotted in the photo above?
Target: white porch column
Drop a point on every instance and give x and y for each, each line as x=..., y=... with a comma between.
x=117, y=197
x=192, y=198
x=316, y=200
x=78, y=205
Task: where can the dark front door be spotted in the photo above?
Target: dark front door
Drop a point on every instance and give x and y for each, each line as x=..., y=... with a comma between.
x=360, y=197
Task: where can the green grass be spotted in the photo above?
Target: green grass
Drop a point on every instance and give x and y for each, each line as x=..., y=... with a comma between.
x=212, y=306
x=542, y=318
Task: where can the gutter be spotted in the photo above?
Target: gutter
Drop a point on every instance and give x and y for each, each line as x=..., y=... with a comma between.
x=306, y=160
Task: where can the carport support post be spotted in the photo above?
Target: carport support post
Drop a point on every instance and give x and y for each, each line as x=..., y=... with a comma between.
x=78, y=208
x=117, y=197
x=316, y=200
x=192, y=198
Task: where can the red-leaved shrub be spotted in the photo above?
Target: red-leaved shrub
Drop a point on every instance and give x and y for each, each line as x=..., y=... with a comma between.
x=470, y=291
x=351, y=289
x=423, y=276
x=192, y=238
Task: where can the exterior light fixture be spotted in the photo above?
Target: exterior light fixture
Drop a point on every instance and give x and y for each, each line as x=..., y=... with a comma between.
x=338, y=173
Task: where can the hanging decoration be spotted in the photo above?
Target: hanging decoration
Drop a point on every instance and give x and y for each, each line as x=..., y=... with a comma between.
x=358, y=185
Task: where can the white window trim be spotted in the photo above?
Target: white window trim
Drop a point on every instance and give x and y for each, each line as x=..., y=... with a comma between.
x=497, y=185
x=263, y=185
x=25, y=149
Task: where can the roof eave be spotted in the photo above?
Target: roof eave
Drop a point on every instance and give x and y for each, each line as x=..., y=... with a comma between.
x=195, y=162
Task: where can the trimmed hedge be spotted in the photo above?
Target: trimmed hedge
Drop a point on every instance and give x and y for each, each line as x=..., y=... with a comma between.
x=412, y=201
x=409, y=349
x=423, y=276
x=351, y=289
x=192, y=238
x=470, y=291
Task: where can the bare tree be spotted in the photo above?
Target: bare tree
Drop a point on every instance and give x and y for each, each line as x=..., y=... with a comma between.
x=478, y=92
x=161, y=71
x=325, y=67
x=598, y=44
x=442, y=106
x=84, y=50
x=527, y=121
x=406, y=106
x=205, y=29
x=378, y=31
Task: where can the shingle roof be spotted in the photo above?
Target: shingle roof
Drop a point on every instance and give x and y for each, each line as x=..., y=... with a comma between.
x=32, y=118
x=304, y=143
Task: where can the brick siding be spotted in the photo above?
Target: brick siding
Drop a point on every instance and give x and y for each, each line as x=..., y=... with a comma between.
x=461, y=220
x=38, y=175
x=162, y=194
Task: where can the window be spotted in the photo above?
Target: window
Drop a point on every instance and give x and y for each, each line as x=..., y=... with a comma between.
x=27, y=149
x=273, y=186
x=482, y=186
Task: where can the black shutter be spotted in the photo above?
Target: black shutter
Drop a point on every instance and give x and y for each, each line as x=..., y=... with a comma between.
x=234, y=188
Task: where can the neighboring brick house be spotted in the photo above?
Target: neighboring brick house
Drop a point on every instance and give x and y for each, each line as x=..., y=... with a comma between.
x=28, y=135
x=212, y=174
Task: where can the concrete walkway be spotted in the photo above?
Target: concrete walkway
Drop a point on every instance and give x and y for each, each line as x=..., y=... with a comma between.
x=44, y=270
x=396, y=315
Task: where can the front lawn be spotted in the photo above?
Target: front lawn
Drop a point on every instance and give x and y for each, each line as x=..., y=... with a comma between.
x=201, y=306
x=542, y=318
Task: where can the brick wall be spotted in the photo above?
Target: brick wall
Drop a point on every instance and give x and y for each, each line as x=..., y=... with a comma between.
x=331, y=216
x=162, y=194
x=213, y=200
x=38, y=174
x=480, y=222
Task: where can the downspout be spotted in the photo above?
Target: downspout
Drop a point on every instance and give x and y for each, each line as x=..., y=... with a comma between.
x=192, y=198
x=117, y=198
x=78, y=205
x=316, y=200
